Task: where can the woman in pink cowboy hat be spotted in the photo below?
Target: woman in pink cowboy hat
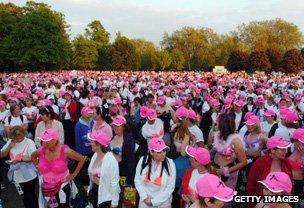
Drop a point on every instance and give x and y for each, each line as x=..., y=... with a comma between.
x=52, y=163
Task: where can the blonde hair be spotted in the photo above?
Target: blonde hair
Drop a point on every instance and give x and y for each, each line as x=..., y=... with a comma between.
x=182, y=130
x=17, y=132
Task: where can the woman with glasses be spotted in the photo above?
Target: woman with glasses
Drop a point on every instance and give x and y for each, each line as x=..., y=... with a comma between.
x=155, y=176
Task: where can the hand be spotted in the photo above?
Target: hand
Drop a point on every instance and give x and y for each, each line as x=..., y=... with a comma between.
x=192, y=198
x=69, y=178
x=186, y=198
x=148, y=201
x=96, y=180
x=12, y=144
x=219, y=172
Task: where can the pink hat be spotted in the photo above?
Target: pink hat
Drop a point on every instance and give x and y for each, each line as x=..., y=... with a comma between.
x=86, y=110
x=177, y=103
x=239, y=103
x=269, y=113
x=248, y=115
x=182, y=113
x=211, y=186
x=119, y=120
x=260, y=100
x=151, y=114
x=49, y=134
x=215, y=103
x=277, y=142
x=200, y=154
x=156, y=144
x=191, y=114
x=277, y=182
x=252, y=120
x=99, y=137
x=143, y=111
x=161, y=100
x=47, y=102
x=2, y=103
x=298, y=134
x=117, y=101
x=283, y=112
x=291, y=116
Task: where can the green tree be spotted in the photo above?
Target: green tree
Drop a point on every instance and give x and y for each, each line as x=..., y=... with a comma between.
x=147, y=51
x=277, y=34
x=292, y=61
x=85, y=53
x=258, y=61
x=124, y=54
x=104, y=57
x=96, y=32
x=177, y=59
x=302, y=52
x=238, y=60
x=163, y=59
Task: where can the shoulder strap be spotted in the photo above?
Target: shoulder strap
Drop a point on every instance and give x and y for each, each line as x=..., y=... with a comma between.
x=21, y=118
x=9, y=120
x=143, y=164
x=273, y=130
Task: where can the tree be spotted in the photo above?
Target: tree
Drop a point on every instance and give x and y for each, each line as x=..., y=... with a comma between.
x=277, y=34
x=124, y=54
x=147, y=51
x=258, y=61
x=96, y=32
x=292, y=61
x=104, y=57
x=163, y=59
x=275, y=58
x=177, y=59
x=302, y=52
x=85, y=53
x=238, y=60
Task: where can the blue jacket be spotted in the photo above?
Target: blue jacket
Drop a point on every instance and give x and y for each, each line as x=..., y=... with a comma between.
x=81, y=140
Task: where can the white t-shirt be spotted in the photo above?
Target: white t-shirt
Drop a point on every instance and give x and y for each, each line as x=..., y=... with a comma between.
x=84, y=101
x=26, y=148
x=199, y=137
x=195, y=176
x=156, y=129
x=238, y=118
x=55, y=109
x=15, y=121
x=4, y=114
x=265, y=126
x=30, y=110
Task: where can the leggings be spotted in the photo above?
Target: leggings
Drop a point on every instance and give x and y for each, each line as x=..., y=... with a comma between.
x=67, y=190
x=29, y=196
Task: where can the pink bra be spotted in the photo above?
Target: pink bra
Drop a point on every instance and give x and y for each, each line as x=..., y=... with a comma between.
x=19, y=156
x=157, y=181
x=53, y=171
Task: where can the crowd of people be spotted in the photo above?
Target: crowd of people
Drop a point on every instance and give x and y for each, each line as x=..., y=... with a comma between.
x=152, y=139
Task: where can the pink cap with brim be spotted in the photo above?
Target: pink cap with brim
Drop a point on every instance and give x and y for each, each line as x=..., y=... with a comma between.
x=248, y=115
x=49, y=134
x=119, y=120
x=156, y=144
x=200, y=154
x=151, y=114
x=2, y=103
x=99, y=137
x=277, y=142
x=277, y=182
x=269, y=113
x=191, y=114
x=161, y=100
x=182, y=113
x=144, y=111
x=117, y=101
x=211, y=186
x=177, y=103
x=252, y=120
x=298, y=134
x=215, y=103
x=86, y=110
x=291, y=116
x=239, y=103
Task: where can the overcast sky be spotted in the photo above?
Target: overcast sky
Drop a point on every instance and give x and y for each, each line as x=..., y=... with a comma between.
x=149, y=19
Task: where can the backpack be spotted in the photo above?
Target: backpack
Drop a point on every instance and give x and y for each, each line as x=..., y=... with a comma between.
x=79, y=107
x=10, y=119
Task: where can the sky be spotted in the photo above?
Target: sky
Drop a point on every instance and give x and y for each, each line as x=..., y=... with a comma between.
x=150, y=19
